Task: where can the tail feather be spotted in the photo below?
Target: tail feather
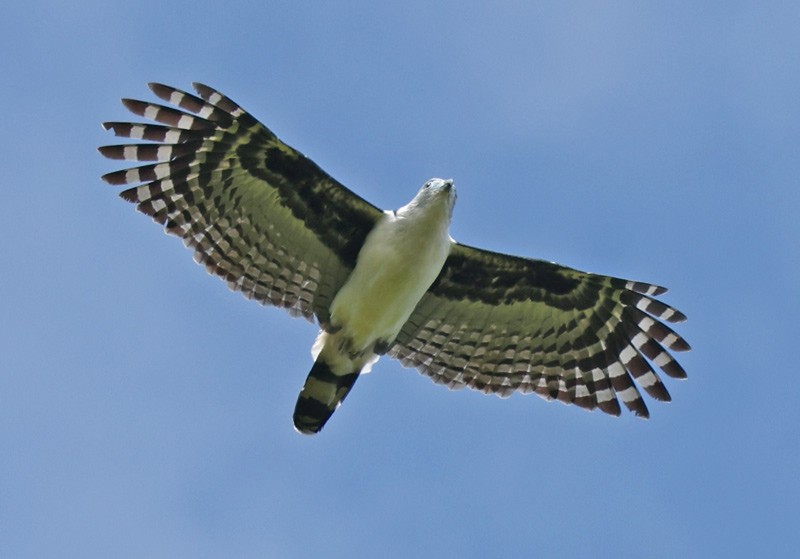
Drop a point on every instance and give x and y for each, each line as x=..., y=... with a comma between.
x=322, y=393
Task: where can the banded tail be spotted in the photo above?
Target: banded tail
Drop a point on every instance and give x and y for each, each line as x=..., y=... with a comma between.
x=322, y=393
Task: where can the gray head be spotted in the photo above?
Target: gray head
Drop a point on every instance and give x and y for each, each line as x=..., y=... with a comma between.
x=434, y=194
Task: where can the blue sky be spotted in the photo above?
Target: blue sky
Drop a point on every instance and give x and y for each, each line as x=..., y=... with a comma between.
x=145, y=410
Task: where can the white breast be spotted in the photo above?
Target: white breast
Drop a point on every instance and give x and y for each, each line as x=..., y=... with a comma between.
x=399, y=261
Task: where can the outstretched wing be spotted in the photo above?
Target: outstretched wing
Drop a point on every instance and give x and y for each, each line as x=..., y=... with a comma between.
x=256, y=212
x=499, y=323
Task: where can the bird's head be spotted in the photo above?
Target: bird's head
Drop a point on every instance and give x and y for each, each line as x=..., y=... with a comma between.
x=436, y=195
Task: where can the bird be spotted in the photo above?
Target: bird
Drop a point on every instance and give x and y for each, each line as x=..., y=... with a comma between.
x=277, y=228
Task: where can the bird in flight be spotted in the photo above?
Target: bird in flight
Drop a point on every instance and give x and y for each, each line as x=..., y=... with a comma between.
x=277, y=228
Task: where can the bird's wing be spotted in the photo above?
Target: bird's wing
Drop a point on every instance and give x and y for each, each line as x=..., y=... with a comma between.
x=256, y=212
x=500, y=323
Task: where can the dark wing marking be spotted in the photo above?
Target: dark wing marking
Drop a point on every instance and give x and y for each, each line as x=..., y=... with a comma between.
x=257, y=213
x=500, y=324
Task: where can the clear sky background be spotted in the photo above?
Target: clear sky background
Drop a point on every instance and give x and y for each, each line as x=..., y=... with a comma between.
x=145, y=410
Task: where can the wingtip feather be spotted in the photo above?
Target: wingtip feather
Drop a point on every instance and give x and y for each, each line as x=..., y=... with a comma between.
x=130, y=194
x=115, y=178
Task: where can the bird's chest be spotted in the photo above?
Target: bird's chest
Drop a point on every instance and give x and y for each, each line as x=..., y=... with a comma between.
x=395, y=267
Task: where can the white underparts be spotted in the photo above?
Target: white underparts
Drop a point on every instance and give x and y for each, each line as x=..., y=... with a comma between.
x=399, y=261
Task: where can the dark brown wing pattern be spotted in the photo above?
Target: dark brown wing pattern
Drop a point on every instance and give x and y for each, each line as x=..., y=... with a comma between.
x=256, y=212
x=500, y=324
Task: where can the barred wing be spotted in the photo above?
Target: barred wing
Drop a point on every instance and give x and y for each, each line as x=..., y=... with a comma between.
x=256, y=212
x=499, y=323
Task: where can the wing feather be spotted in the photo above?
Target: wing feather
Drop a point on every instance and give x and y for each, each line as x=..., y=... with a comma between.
x=256, y=212
x=501, y=323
